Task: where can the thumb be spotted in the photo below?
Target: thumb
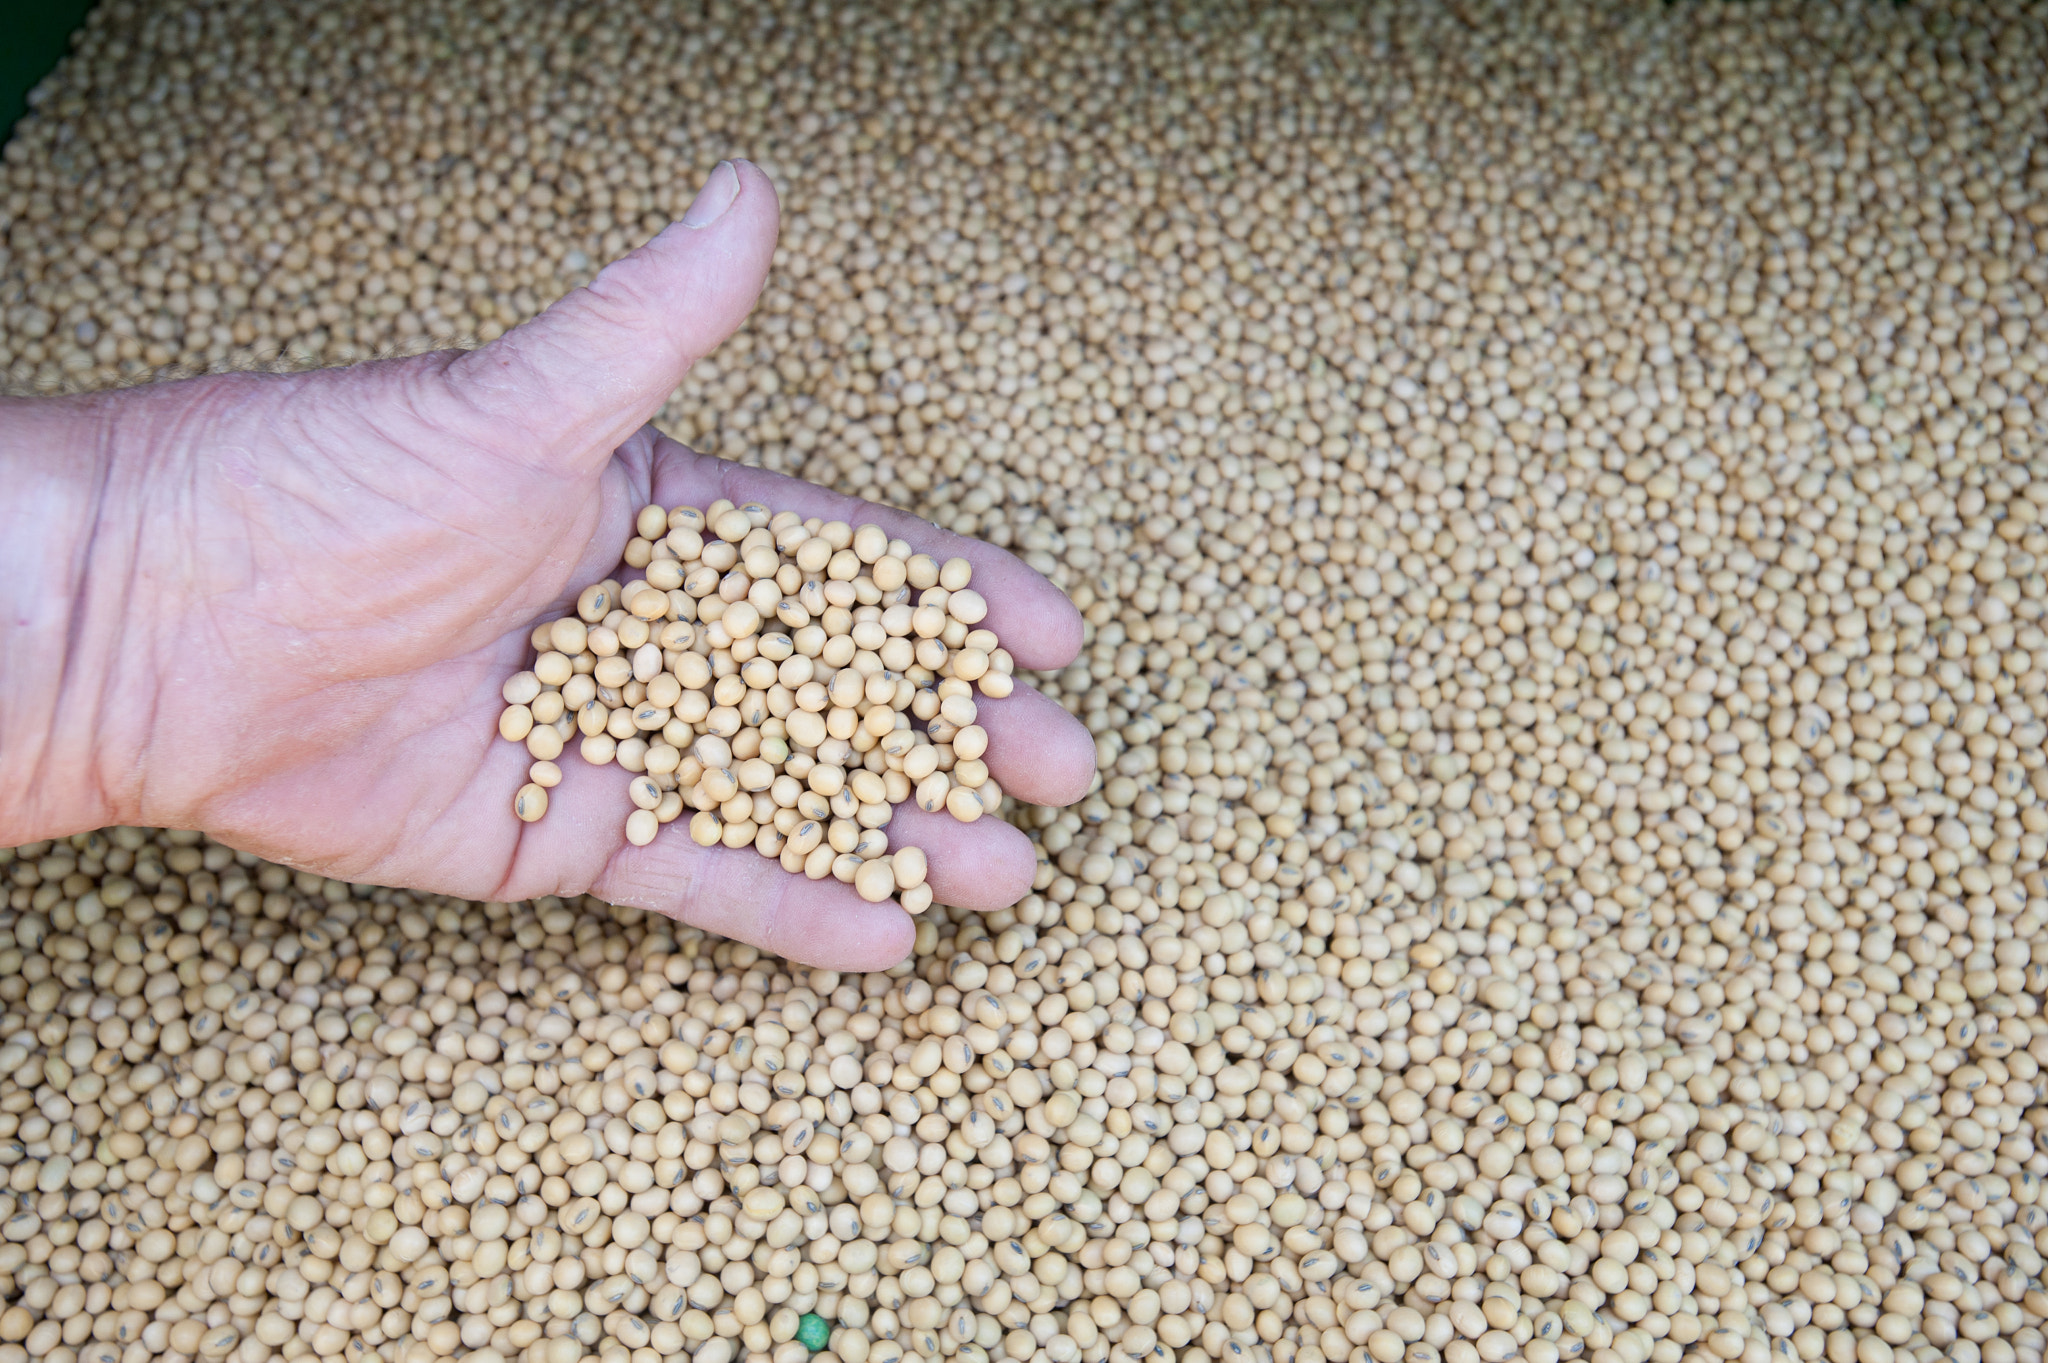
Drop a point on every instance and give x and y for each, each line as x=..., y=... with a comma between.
x=569, y=386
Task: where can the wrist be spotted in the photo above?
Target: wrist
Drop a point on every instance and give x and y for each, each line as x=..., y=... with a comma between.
x=66, y=570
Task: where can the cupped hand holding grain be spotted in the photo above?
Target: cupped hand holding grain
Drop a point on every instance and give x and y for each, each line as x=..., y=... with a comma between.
x=280, y=608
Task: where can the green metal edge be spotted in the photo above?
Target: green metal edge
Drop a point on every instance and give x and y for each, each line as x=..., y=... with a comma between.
x=34, y=34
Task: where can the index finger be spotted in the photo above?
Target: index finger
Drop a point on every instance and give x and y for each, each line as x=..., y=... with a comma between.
x=1035, y=621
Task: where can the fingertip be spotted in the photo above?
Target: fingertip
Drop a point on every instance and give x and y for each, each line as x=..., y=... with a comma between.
x=1043, y=633
x=565, y=388
x=829, y=927
x=1067, y=634
x=756, y=181
x=1072, y=779
x=984, y=866
x=887, y=944
x=1037, y=750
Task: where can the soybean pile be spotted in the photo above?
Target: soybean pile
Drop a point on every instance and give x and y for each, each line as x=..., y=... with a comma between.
x=1556, y=492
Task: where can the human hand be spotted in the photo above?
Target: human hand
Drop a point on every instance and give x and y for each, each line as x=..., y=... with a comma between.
x=293, y=600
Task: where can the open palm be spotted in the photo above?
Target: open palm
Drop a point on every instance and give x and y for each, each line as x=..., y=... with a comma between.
x=332, y=573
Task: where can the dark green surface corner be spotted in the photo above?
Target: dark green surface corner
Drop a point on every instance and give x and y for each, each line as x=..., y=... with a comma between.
x=33, y=35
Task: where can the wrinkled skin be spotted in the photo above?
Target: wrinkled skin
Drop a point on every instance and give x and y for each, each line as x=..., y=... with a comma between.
x=285, y=605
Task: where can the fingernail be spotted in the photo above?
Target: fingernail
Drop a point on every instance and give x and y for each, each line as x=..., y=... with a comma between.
x=717, y=195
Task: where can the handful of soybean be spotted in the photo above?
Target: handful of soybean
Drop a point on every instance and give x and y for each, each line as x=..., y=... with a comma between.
x=786, y=681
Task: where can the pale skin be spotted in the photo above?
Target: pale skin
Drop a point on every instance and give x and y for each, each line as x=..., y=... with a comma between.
x=280, y=608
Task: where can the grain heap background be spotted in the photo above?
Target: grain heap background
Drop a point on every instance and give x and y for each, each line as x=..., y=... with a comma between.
x=1556, y=491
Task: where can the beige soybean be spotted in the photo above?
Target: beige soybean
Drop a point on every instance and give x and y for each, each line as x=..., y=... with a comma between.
x=1554, y=499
